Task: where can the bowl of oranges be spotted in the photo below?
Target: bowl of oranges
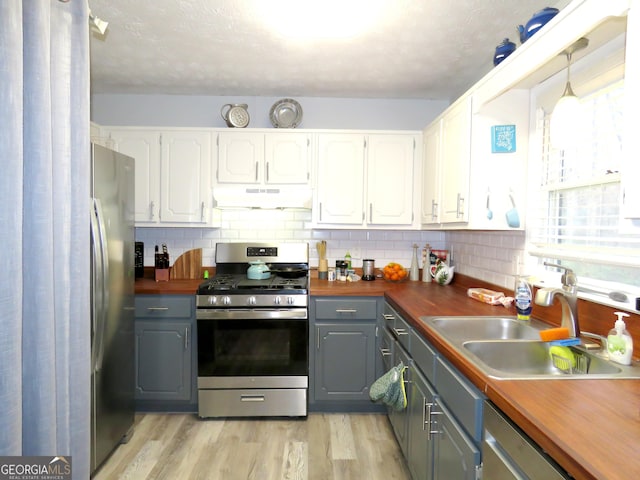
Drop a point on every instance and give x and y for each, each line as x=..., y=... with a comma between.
x=394, y=272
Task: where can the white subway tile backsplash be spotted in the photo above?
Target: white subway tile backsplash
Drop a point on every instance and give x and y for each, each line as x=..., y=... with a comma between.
x=488, y=256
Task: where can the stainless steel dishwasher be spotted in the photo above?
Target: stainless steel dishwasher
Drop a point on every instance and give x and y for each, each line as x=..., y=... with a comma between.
x=509, y=454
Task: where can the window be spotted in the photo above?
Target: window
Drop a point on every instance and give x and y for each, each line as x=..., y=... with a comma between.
x=575, y=216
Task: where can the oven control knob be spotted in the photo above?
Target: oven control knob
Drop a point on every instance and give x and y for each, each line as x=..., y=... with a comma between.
x=277, y=300
x=251, y=300
x=226, y=300
x=290, y=300
x=213, y=300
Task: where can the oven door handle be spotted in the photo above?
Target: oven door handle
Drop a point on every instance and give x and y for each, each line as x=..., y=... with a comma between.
x=251, y=314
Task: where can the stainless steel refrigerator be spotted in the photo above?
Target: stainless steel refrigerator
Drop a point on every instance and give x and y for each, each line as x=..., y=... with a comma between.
x=112, y=297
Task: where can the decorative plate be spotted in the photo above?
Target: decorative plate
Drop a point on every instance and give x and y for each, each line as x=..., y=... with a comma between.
x=286, y=113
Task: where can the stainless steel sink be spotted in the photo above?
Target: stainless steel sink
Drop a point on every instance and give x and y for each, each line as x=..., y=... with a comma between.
x=509, y=359
x=485, y=328
x=508, y=348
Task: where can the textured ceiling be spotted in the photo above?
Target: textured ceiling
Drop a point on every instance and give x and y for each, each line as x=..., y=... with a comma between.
x=428, y=49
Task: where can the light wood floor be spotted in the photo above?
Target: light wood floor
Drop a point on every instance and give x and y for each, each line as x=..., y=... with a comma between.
x=322, y=447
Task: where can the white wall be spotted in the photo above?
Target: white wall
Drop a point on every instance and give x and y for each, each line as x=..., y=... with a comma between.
x=204, y=111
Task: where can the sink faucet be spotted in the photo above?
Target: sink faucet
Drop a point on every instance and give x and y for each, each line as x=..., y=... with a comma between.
x=568, y=297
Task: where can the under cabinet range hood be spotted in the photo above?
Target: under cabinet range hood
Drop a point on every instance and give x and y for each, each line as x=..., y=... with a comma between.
x=294, y=197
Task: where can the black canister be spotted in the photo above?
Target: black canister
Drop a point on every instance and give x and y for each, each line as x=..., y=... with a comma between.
x=139, y=260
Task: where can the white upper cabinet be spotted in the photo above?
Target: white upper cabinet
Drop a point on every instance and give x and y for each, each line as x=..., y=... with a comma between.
x=390, y=174
x=173, y=174
x=365, y=180
x=455, y=158
x=273, y=158
x=144, y=147
x=446, y=164
x=186, y=177
x=340, y=187
x=431, y=139
x=287, y=158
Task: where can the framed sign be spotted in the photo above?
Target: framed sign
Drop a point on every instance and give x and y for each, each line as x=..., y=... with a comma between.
x=503, y=139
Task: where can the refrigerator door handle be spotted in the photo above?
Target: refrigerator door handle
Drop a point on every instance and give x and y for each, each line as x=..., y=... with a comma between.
x=101, y=293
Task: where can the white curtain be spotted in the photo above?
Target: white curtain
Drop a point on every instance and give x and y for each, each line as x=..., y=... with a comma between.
x=44, y=231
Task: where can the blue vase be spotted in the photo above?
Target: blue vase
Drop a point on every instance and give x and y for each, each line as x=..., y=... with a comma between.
x=503, y=50
x=535, y=23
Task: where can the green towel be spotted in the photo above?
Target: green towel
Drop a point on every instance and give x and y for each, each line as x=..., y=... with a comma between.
x=390, y=388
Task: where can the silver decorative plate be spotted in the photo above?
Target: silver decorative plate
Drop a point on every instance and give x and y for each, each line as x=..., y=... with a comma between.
x=286, y=113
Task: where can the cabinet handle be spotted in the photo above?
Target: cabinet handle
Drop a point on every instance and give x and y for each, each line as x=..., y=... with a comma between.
x=152, y=207
x=385, y=352
x=256, y=171
x=252, y=398
x=202, y=212
x=430, y=421
x=318, y=338
x=371, y=213
x=400, y=331
x=154, y=309
x=425, y=406
x=186, y=338
x=267, y=171
x=346, y=310
x=320, y=212
x=434, y=210
x=388, y=317
x=459, y=206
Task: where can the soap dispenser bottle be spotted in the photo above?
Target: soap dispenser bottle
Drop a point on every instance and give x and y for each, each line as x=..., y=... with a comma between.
x=619, y=342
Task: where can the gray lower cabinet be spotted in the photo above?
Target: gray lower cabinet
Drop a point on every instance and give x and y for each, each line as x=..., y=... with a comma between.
x=400, y=418
x=343, y=345
x=164, y=353
x=441, y=429
x=420, y=435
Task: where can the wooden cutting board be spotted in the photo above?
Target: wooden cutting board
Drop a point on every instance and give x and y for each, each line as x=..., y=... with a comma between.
x=188, y=265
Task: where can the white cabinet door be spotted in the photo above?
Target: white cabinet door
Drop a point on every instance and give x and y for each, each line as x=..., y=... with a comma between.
x=340, y=189
x=240, y=157
x=390, y=167
x=186, y=177
x=278, y=158
x=144, y=147
x=455, y=158
x=287, y=158
x=430, y=211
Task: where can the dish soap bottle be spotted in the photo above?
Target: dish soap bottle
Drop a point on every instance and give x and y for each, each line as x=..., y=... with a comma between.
x=523, y=298
x=619, y=342
x=414, y=273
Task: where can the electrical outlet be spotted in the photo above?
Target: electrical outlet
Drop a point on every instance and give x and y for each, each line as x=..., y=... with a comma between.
x=356, y=253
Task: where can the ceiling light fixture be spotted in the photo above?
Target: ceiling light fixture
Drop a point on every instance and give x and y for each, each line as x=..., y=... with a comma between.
x=565, y=119
x=97, y=24
x=326, y=19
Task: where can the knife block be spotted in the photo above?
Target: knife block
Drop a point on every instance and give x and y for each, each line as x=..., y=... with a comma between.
x=162, y=274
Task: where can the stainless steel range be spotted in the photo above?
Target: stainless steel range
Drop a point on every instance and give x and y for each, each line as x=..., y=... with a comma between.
x=253, y=334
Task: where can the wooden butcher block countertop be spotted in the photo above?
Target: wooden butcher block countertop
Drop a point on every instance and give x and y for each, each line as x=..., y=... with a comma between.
x=590, y=427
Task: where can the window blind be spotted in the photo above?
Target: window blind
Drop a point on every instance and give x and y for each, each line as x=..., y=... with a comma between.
x=575, y=212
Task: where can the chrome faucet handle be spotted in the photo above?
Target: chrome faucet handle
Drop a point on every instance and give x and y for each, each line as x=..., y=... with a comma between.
x=569, y=279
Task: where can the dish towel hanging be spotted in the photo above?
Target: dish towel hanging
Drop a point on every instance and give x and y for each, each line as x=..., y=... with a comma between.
x=389, y=388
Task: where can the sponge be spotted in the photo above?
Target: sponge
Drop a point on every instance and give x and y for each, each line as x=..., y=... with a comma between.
x=551, y=334
x=562, y=357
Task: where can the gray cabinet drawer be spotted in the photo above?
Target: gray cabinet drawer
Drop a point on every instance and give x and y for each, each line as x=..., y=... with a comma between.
x=164, y=306
x=463, y=399
x=398, y=326
x=346, y=308
x=424, y=356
